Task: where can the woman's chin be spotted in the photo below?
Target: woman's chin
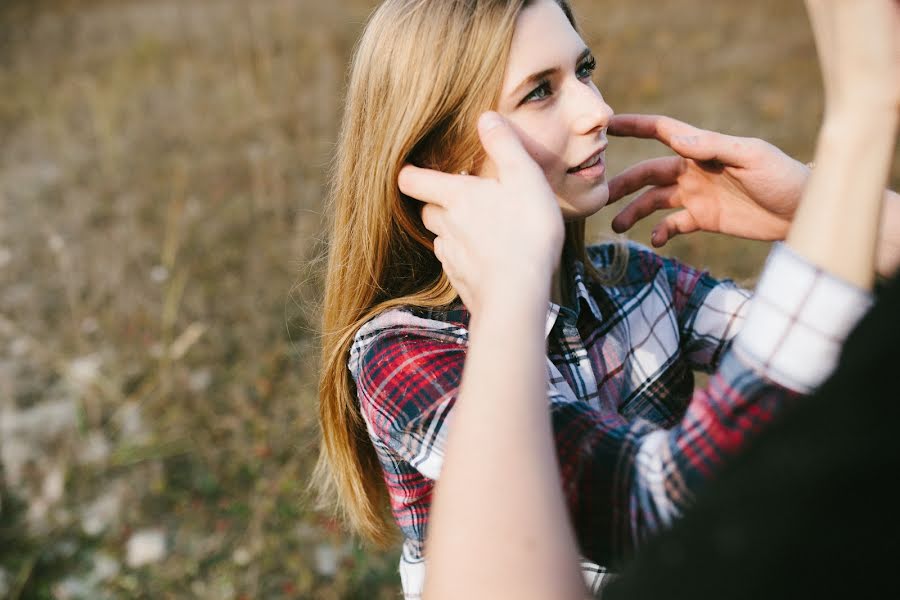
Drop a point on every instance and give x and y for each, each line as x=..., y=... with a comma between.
x=584, y=205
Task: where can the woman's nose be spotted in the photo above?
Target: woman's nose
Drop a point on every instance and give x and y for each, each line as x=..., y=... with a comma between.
x=590, y=110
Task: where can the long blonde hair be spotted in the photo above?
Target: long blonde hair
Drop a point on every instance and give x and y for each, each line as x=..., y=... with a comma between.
x=409, y=99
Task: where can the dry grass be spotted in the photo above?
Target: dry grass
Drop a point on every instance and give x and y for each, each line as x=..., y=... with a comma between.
x=161, y=182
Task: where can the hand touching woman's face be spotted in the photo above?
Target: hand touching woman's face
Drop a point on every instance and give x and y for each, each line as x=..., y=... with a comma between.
x=556, y=109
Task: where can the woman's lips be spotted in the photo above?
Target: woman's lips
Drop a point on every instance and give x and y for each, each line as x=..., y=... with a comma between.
x=593, y=172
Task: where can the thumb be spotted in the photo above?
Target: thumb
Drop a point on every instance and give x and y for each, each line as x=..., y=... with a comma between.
x=504, y=147
x=709, y=145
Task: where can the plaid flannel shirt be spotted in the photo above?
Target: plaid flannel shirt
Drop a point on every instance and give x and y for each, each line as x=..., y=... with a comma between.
x=633, y=438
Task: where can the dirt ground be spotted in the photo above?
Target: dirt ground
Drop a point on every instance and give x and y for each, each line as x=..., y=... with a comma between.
x=161, y=184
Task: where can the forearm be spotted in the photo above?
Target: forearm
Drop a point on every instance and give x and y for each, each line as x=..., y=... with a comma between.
x=498, y=505
x=836, y=225
x=887, y=252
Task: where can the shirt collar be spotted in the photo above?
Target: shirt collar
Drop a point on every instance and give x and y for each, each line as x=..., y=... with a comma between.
x=581, y=290
x=579, y=287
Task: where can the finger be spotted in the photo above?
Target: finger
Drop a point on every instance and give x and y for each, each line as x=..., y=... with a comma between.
x=504, y=147
x=673, y=225
x=434, y=219
x=427, y=185
x=687, y=140
x=711, y=146
x=656, y=171
x=654, y=199
x=649, y=127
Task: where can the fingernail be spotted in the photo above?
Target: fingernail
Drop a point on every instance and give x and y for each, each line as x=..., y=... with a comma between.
x=489, y=120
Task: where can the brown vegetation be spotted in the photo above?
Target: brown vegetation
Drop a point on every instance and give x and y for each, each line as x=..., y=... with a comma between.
x=161, y=181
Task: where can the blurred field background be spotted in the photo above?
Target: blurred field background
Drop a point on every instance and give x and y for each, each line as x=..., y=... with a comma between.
x=161, y=186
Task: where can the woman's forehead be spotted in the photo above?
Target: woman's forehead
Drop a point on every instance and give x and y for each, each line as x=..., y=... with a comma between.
x=543, y=39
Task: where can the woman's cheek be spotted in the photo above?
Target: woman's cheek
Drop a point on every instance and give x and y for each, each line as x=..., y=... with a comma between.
x=555, y=172
x=551, y=166
x=533, y=134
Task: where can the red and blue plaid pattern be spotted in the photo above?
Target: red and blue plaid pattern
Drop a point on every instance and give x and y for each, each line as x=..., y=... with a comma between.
x=634, y=439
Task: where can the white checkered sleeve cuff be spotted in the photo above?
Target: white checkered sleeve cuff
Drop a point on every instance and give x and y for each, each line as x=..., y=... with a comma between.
x=798, y=321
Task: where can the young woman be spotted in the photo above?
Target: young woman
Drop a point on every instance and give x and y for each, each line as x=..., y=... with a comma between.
x=500, y=441
x=624, y=328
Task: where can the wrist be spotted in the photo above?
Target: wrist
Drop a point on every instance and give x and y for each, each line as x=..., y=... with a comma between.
x=515, y=302
x=858, y=123
x=519, y=283
x=855, y=149
x=510, y=299
x=852, y=164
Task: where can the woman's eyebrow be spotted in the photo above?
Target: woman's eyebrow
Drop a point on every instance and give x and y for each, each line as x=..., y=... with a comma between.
x=535, y=77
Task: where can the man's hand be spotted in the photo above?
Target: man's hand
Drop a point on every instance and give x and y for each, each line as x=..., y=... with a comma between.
x=743, y=187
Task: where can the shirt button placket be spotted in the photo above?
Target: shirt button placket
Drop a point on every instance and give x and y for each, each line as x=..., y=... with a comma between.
x=586, y=383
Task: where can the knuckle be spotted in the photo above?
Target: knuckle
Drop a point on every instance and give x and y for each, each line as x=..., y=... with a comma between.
x=646, y=176
x=659, y=200
x=757, y=146
x=427, y=216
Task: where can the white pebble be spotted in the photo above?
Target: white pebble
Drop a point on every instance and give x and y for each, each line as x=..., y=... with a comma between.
x=145, y=547
x=41, y=422
x=94, y=449
x=159, y=274
x=89, y=325
x=131, y=421
x=54, y=485
x=241, y=556
x=327, y=558
x=102, y=513
x=19, y=346
x=56, y=243
x=83, y=371
x=200, y=380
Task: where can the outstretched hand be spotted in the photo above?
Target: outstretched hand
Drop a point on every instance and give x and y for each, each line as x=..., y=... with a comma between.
x=743, y=187
x=494, y=235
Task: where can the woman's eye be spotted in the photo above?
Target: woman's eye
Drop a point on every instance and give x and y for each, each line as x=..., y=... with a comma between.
x=543, y=90
x=539, y=93
x=586, y=70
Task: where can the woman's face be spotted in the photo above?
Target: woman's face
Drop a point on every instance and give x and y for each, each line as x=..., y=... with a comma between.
x=558, y=112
